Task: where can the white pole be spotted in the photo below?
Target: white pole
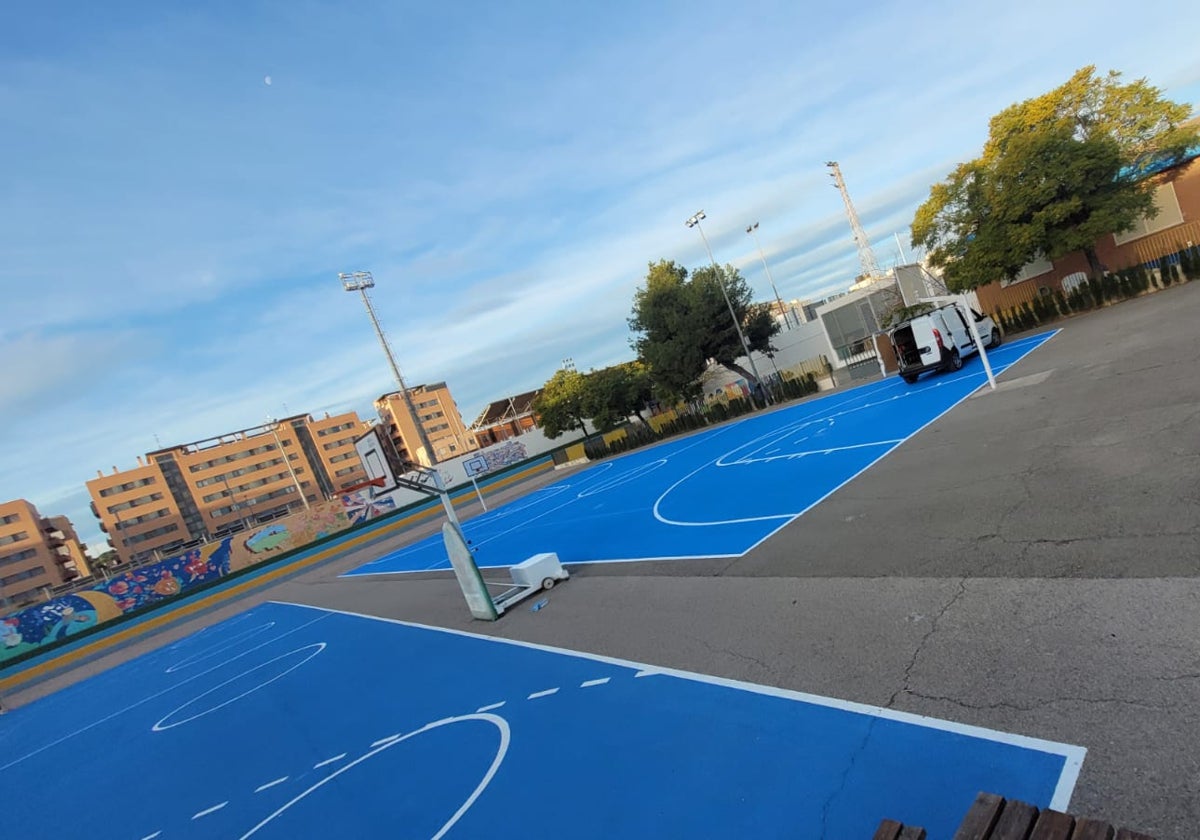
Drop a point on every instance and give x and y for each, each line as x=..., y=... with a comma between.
x=445, y=497
x=987, y=365
x=903, y=259
x=482, y=503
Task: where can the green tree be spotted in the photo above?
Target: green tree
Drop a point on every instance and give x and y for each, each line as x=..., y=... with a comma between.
x=1057, y=172
x=614, y=393
x=560, y=407
x=680, y=323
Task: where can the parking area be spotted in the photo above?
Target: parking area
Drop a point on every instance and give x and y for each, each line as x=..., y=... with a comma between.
x=1027, y=563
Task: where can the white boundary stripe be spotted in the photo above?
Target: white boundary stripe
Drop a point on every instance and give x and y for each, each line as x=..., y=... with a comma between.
x=483, y=709
x=545, y=693
x=278, y=781
x=169, y=688
x=646, y=673
x=208, y=811
x=590, y=683
x=788, y=518
x=386, y=740
x=498, y=722
x=321, y=764
x=1072, y=754
x=152, y=836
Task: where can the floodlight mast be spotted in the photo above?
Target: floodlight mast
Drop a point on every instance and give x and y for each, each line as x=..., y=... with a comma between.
x=694, y=222
x=360, y=281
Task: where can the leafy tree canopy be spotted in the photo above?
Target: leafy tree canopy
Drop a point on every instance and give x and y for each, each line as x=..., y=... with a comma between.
x=1057, y=172
x=614, y=393
x=561, y=406
x=681, y=322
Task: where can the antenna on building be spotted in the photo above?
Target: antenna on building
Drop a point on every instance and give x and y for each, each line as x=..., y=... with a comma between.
x=157, y=442
x=866, y=257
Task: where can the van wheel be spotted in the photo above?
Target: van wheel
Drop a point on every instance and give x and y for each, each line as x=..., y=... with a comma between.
x=910, y=378
x=954, y=362
x=995, y=342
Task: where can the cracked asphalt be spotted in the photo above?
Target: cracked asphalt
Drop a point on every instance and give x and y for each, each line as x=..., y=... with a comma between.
x=1030, y=563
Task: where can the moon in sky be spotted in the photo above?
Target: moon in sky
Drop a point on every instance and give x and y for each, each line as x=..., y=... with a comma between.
x=267, y=81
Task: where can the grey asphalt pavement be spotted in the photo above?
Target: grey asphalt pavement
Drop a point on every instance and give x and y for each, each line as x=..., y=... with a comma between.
x=1028, y=563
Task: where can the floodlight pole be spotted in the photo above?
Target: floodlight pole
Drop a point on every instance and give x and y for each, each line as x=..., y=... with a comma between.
x=360, y=281
x=753, y=231
x=694, y=221
x=962, y=299
x=287, y=461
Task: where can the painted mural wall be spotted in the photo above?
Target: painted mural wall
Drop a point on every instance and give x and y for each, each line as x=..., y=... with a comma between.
x=67, y=615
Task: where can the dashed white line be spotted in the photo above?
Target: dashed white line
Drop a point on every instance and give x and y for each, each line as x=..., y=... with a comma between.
x=545, y=693
x=278, y=781
x=152, y=836
x=590, y=683
x=321, y=764
x=386, y=740
x=208, y=811
x=482, y=709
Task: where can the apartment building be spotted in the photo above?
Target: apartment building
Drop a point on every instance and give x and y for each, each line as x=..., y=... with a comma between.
x=36, y=553
x=191, y=493
x=505, y=419
x=438, y=414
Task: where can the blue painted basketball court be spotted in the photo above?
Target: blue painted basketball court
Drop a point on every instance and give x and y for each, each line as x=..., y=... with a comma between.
x=290, y=721
x=717, y=493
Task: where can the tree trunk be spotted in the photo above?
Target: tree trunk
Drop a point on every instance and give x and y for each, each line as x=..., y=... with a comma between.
x=740, y=371
x=1096, y=269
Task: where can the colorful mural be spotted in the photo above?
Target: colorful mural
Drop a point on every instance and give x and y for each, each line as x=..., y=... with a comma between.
x=69, y=614
x=506, y=454
x=360, y=507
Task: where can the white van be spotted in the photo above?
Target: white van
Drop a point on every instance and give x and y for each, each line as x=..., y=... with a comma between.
x=939, y=339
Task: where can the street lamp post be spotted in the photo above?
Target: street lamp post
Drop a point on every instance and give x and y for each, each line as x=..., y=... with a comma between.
x=753, y=231
x=360, y=281
x=287, y=461
x=694, y=221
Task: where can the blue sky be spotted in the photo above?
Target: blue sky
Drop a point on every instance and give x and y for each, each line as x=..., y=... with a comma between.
x=172, y=226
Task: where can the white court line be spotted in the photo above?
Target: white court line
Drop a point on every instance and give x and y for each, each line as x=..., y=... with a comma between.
x=208, y=811
x=482, y=709
x=505, y=736
x=152, y=836
x=160, y=727
x=1072, y=755
x=386, y=740
x=590, y=683
x=791, y=517
x=278, y=781
x=321, y=764
x=144, y=700
x=545, y=693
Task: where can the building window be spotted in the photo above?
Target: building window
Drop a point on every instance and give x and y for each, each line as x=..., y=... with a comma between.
x=335, y=429
x=141, y=500
x=346, y=471
x=149, y=535
x=1169, y=215
x=127, y=486
x=12, y=538
x=36, y=571
x=9, y=559
x=10, y=519
x=438, y=428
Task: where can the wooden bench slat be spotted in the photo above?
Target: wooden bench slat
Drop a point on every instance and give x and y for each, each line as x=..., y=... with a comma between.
x=1086, y=829
x=888, y=830
x=980, y=820
x=1130, y=834
x=1016, y=821
x=912, y=832
x=1052, y=825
